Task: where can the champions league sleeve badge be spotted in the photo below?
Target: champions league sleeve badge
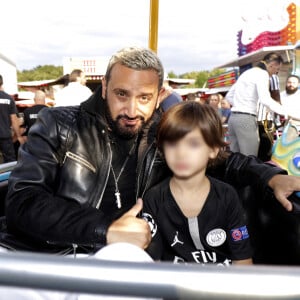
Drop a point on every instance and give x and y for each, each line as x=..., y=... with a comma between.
x=239, y=234
x=149, y=219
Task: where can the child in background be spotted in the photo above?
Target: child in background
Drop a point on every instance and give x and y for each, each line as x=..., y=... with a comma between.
x=194, y=217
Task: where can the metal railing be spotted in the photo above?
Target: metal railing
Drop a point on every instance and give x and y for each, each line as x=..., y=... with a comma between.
x=160, y=280
x=5, y=170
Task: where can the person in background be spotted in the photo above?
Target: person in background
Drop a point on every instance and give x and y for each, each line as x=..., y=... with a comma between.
x=75, y=92
x=169, y=98
x=225, y=110
x=30, y=113
x=268, y=121
x=9, y=125
x=275, y=94
x=252, y=87
x=187, y=210
x=290, y=97
x=80, y=176
x=191, y=97
x=214, y=100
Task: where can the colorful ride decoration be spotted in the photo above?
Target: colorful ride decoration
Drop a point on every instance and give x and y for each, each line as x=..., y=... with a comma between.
x=263, y=34
x=222, y=80
x=286, y=150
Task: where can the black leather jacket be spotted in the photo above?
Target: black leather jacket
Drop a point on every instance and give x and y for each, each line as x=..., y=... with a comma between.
x=56, y=188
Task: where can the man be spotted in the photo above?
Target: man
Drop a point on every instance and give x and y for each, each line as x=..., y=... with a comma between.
x=8, y=121
x=75, y=92
x=290, y=98
x=169, y=98
x=252, y=87
x=83, y=169
x=267, y=121
x=30, y=113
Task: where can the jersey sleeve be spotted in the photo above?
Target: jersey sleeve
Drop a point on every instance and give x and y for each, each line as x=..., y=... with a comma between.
x=237, y=231
x=150, y=214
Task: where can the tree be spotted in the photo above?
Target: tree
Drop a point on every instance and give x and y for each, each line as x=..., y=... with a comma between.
x=46, y=72
x=172, y=75
x=201, y=79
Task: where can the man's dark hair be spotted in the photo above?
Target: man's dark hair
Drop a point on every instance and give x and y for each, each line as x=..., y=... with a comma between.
x=1, y=80
x=74, y=75
x=272, y=56
x=293, y=76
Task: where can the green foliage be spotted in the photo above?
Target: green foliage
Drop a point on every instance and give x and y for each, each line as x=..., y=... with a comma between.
x=46, y=72
x=200, y=77
x=172, y=75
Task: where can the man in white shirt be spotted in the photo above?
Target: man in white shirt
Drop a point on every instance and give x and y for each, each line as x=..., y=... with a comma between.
x=268, y=121
x=290, y=98
x=251, y=87
x=75, y=92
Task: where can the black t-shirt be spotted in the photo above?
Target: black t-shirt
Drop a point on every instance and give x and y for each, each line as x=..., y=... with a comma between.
x=127, y=181
x=217, y=235
x=30, y=116
x=7, y=108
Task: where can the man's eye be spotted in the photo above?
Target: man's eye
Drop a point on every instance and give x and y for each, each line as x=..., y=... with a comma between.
x=145, y=99
x=121, y=94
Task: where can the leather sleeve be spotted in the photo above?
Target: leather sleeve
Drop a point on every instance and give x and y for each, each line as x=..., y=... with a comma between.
x=241, y=171
x=33, y=209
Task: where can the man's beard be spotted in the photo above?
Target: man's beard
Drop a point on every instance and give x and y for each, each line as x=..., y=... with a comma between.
x=126, y=132
x=291, y=91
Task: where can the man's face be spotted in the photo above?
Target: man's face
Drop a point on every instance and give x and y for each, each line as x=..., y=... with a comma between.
x=214, y=101
x=292, y=85
x=132, y=97
x=273, y=68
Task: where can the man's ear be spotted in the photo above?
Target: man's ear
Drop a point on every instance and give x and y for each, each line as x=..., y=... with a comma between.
x=160, y=96
x=103, y=87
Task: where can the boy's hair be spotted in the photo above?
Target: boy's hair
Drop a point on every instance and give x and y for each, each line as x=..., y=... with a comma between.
x=184, y=117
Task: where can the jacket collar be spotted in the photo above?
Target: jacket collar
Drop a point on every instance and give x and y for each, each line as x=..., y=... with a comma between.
x=95, y=104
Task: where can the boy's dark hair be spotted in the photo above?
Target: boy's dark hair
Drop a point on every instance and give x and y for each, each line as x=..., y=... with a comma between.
x=184, y=117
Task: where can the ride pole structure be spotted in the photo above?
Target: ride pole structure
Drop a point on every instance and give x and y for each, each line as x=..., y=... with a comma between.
x=153, y=25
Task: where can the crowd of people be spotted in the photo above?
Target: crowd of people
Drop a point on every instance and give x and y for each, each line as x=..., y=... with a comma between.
x=254, y=89
x=133, y=163
x=15, y=125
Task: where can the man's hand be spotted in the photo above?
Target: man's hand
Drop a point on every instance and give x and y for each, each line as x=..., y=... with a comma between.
x=130, y=229
x=283, y=186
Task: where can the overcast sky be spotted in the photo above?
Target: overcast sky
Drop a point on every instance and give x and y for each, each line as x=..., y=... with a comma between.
x=193, y=35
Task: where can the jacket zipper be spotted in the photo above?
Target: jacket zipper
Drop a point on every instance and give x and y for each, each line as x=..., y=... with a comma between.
x=106, y=179
x=80, y=160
